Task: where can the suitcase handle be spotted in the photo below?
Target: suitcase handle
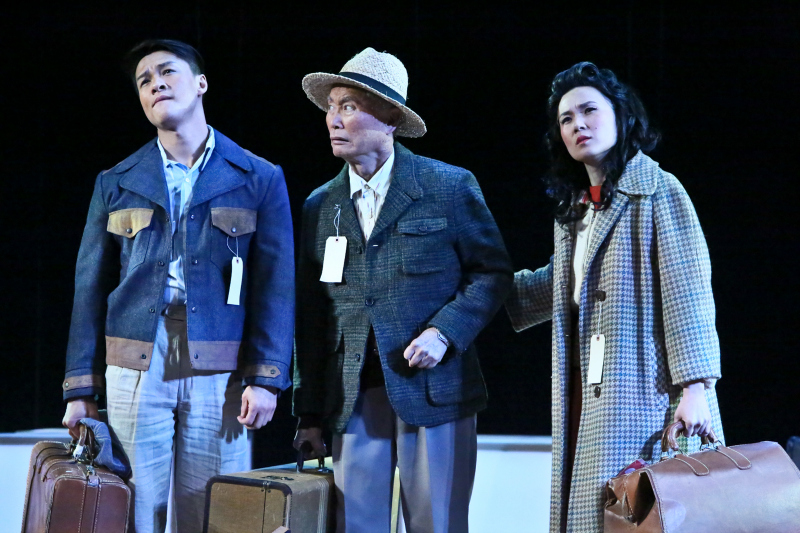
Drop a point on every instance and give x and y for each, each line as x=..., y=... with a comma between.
x=301, y=456
x=82, y=449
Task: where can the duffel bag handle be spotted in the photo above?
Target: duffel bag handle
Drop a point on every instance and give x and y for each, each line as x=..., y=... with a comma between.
x=669, y=440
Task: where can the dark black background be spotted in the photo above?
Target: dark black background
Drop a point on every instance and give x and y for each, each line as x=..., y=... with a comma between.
x=719, y=83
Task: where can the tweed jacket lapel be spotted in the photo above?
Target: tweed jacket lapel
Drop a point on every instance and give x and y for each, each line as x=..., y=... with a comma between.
x=146, y=176
x=402, y=192
x=339, y=194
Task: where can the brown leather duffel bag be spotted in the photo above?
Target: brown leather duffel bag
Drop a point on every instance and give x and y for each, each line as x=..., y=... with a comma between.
x=68, y=493
x=738, y=489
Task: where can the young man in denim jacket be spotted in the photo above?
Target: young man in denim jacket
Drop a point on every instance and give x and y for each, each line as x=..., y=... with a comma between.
x=184, y=288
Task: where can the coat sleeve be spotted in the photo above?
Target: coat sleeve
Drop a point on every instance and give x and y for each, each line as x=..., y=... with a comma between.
x=269, y=322
x=96, y=275
x=687, y=302
x=312, y=321
x=486, y=273
x=531, y=299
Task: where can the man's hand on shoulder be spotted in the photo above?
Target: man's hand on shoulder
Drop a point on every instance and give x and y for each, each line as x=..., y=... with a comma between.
x=77, y=409
x=426, y=350
x=258, y=406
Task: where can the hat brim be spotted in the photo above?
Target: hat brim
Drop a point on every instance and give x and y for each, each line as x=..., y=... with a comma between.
x=317, y=87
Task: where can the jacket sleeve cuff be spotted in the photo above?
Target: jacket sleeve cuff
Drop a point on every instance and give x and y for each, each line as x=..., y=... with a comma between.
x=272, y=375
x=708, y=383
x=83, y=385
x=309, y=421
x=448, y=334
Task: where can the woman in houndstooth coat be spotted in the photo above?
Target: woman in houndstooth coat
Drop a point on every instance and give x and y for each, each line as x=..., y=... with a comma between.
x=630, y=271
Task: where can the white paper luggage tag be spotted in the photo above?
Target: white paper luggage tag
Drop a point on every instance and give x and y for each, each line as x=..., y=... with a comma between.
x=597, y=346
x=333, y=263
x=597, y=349
x=335, y=253
x=237, y=271
x=78, y=452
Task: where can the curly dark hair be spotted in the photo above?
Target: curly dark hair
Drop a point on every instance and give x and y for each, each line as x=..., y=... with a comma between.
x=567, y=178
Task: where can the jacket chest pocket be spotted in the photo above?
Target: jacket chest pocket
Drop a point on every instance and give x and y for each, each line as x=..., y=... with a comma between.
x=134, y=225
x=234, y=227
x=424, y=246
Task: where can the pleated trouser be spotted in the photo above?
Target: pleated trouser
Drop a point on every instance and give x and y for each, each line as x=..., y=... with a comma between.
x=172, y=411
x=436, y=464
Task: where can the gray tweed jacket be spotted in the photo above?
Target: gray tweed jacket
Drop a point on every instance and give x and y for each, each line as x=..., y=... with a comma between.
x=435, y=258
x=648, y=254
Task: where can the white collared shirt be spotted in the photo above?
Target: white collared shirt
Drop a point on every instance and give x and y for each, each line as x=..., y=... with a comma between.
x=181, y=178
x=368, y=196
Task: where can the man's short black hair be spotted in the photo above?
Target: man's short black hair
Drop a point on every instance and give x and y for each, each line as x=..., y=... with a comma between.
x=150, y=46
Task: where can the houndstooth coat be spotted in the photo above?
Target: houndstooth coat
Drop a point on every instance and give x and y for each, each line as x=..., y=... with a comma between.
x=648, y=254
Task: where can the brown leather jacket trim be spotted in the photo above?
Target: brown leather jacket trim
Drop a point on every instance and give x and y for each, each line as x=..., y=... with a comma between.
x=128, y=222
x=128, y=353
x=264, y=371
x=214, y=355
x=234, y=221
x=80, y=382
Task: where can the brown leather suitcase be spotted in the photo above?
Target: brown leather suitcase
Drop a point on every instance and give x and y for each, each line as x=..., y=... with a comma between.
x=271, y=500
x=65, y=495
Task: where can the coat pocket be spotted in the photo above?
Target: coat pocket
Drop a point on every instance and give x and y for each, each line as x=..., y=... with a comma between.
x=129, y=222
x=133, y=224
x=425, y=245
x=455, y=380
x=234, y=221
x=236, y=225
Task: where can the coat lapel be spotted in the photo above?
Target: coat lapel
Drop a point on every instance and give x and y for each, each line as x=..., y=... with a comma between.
x=144, y=175
x=340, y=195
x=640, y=178
x=402, y=192
x=145, y=172
x=605, y=221
x=221, y=174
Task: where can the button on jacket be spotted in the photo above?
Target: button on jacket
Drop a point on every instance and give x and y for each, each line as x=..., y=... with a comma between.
x=435, y=258
x=239, y=202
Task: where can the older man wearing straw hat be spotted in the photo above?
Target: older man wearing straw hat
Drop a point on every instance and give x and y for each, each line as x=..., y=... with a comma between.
x=401, y=265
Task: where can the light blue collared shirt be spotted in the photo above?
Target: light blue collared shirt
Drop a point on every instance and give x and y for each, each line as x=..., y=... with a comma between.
x=180, y=181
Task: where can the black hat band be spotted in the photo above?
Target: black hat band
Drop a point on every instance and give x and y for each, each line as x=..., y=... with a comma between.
x=376, y=85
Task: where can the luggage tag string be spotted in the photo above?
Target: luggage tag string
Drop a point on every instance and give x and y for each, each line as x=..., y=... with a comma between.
x=337, y=218
x=227, y=243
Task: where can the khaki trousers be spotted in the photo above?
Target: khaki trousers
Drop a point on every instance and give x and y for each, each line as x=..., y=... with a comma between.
x=172, y=411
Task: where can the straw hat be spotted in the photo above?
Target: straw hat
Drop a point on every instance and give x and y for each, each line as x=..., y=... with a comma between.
x=380, y=73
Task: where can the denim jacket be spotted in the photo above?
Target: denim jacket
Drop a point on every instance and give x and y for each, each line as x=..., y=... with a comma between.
x=239, y=199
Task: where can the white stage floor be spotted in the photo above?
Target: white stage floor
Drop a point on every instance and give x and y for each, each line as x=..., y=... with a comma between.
x=511, y=492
